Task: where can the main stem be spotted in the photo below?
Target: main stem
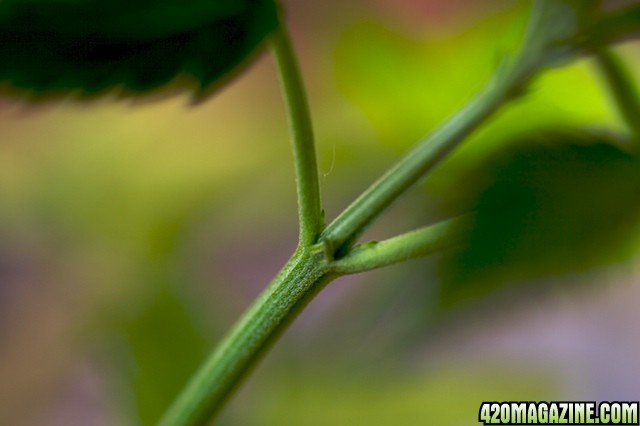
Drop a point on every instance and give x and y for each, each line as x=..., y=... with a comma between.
x=301, y=278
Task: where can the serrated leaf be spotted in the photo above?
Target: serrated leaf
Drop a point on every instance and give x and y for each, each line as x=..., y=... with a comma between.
x=88, y=47
x=556, y=204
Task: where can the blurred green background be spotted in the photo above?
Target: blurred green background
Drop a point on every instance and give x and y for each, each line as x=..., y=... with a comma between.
x=132, y=235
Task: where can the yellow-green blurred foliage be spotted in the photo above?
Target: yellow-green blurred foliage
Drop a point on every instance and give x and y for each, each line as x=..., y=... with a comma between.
x=132, y=235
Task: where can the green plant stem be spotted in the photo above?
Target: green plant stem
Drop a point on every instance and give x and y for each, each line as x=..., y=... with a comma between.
x=418, y=243
x=306, y=273
x=550, y=23
x=622, y=88
x=311, y=267
x=348, y=226
x=301, y=278
x=306, y=169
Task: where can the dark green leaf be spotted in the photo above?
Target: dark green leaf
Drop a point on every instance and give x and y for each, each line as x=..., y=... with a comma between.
x=86, y=47
x=618, y=25
x=555, y=204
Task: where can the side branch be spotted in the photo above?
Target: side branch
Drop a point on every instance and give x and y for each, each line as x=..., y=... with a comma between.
x=423, y=158
x=418, y=243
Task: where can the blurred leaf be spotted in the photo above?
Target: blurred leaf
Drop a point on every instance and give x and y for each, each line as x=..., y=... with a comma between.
x=406, y=84
x=556, y=203
x=618, y=25
x=446, y=397
x=167, y=347
x=588, y=24
x=86, y=47
x=557, y=26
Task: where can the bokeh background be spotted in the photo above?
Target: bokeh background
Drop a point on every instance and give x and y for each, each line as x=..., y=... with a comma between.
x=133, y=234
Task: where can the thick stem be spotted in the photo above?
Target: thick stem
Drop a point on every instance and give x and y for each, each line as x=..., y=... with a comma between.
x=301, y=278
x=306, y=169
